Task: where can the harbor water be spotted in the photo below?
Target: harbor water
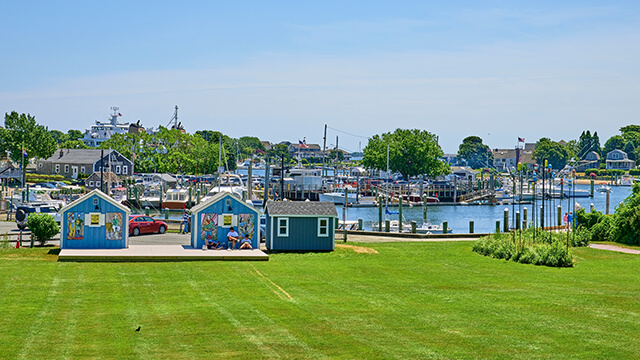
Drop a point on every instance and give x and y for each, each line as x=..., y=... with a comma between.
x=485, y=216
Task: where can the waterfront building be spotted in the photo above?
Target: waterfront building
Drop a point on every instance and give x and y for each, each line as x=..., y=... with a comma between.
x=72, y=162
x=95, y=180
x=464, y=172
x=619, y=160
x=590, y=161
x=300, y=225
x=504, y=159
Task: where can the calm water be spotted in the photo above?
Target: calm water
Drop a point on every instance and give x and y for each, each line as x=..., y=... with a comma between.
x=485, y=216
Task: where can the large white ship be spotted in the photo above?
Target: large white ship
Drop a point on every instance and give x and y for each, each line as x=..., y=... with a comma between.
x=102, y=131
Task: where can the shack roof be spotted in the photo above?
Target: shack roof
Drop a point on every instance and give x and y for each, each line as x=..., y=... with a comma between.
x=301, y=208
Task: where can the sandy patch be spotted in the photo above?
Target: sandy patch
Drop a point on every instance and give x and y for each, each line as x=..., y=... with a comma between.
x=358, y=249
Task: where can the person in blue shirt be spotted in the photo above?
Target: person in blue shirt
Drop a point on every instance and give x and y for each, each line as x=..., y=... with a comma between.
x=245, y=243
x=232, y=237
x=570, y=220
x=184, y=226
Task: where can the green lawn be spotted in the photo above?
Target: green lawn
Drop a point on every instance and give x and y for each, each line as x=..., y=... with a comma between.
x=411, y=300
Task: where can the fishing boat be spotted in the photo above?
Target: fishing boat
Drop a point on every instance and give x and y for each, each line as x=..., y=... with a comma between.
x=176, y=199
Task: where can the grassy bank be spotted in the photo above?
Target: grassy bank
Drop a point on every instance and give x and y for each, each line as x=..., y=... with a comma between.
x=389, y=300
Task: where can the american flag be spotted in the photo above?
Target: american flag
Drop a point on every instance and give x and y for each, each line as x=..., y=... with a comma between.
x=520, y=139
x=24, y=152
x=303, y=145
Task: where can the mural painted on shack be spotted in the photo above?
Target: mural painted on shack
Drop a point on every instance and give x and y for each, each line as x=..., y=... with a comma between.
x=246, y=224
x=209, y=228
x=75, y=224
x=114, y=225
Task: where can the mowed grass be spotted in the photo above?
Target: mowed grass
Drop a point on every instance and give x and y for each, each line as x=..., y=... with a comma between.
x=410, y=300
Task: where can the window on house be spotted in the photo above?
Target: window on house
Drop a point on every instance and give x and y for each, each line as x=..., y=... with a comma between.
x=97, y=183
x=66, y=169
x=57, y=168
x=124, y=169
x=323, y=227
x=82, y=170
x=283, y=226
x=117, y=169
x=39, y=165
x=90, y=183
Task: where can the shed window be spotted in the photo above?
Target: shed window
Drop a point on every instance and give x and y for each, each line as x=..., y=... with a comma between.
x=323, y=227
x=283, y=226
x=90, y=183
x=97, y=183
x=66, y=169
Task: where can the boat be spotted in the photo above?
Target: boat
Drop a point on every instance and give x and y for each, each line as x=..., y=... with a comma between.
x=424, y=228
x=176, y=199
x=337, y=197
x=231, y=183
x=604, y=188
x=102, y=131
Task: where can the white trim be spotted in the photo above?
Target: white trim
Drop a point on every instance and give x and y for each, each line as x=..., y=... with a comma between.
x=286, y=233
x=326, y=227
x=66, y=168
x=125, y=170
x=57, y=169
x=83, y=170
x=117, y=169
x=271, y=239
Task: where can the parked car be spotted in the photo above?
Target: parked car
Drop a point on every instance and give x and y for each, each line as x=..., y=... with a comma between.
x=23, y=211
x=142, y=224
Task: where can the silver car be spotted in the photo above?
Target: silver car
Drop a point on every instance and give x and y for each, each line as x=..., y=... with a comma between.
x=23, y=211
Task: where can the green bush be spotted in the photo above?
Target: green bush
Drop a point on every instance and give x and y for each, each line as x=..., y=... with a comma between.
x=531, y=246
x=626, y=221
x=588, y=172
x=634, y=172
x=43, y=227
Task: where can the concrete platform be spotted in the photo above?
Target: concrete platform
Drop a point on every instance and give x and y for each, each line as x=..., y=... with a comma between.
x=160, y=253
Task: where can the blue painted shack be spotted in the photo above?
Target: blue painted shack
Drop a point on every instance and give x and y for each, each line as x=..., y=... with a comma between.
x=94, y=221
x=300, y=225
x=211, y=220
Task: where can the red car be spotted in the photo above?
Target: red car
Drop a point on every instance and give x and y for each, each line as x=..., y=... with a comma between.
x=141, y=224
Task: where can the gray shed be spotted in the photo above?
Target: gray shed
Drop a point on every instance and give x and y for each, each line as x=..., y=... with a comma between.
x=300, y=226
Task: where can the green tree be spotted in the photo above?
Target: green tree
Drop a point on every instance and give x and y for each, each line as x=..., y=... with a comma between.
x=614, y=142
x=73, y=144
x=43, y=227
x=411, y=153
x=475, y=153
x=555, y=153
x=58, y=136
x=629, y=149
x=21, y=130
x=74, y=135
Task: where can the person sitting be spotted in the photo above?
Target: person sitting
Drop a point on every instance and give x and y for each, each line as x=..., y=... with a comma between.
x=232, y=237
x=215, y=245
x=245, y=243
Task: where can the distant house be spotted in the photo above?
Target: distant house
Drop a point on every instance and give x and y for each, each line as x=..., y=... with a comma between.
x=305, y=151
x=267, y=145
x=300, y=225
x=464, y=172
x=618, y=159
x=504, y=159
x=95, y=221
x=451, y=159
x=72, y=162
x=168, y=181
x=591, y=161
x=94, y=181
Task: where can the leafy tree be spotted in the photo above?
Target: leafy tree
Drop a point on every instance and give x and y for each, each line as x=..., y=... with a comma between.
x=58, y=136
x=475, y=153
x=411, y=153
x=336, y=155
x=627, y=219
x=249, y=145
x=21, y=130
x=614, y=142
x=74, y=144
x=629, y=149
x=277, y=151
x=74, y=134
x=555, y=153
x=596, y=143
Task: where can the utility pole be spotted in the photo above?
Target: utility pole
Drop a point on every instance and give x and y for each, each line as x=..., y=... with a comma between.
x=101, y=169
x=324, y=148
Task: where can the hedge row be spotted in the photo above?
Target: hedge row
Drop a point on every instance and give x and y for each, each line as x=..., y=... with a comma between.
x=605, y=172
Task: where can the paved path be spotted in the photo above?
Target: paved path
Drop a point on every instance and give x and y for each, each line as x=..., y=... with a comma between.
x=614, y=248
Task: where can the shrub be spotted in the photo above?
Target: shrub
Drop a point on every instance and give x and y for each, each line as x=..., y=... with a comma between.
x=43, y=227
x=531, y=247
x=634, y=172
x=588, y=172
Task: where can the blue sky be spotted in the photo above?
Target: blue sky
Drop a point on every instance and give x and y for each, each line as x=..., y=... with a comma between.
x=280, y=70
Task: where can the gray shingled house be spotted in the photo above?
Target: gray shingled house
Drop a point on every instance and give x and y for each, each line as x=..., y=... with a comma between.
x=300, y=225
x=72, y=162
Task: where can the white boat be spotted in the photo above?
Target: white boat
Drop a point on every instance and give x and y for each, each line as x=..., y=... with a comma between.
x=338, y=197
x=176, y=199
x=424, y=228
x=35, y=196
x=231, y=183
x=604, y=188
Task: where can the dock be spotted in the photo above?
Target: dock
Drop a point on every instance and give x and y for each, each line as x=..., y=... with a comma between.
x=135, y=253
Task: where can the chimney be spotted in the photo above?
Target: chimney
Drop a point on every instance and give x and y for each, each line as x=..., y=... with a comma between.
x=61, y=152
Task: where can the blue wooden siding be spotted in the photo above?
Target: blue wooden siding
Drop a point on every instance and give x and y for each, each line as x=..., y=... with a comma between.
x=303, y=234
x=219, y=207
x=94, y=237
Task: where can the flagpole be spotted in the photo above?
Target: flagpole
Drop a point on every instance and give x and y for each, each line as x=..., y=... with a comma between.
x=24, y=176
